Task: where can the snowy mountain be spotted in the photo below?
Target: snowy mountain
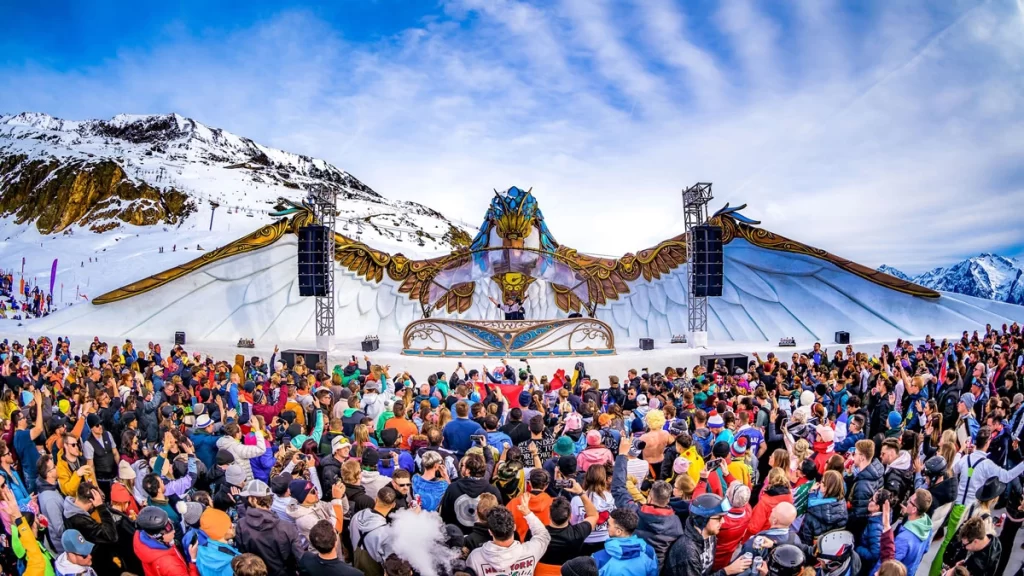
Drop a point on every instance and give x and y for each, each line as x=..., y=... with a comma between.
x=118, y=200
x=166, y=169
x=987, y=276
x=894, y=272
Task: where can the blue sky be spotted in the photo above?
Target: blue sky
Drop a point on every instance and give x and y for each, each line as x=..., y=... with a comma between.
x=884, y=131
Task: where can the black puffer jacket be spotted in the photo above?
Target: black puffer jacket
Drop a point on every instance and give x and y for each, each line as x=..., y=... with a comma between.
x=863, y=488
x=823, y=514
x=691, y=554
x=898, y=478
x=330, y=471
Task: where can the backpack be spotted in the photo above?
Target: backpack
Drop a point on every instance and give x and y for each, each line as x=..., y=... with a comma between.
x=704, y=441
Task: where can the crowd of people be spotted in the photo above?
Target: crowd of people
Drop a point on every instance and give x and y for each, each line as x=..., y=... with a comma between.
x=21, y=300
x=152, y=462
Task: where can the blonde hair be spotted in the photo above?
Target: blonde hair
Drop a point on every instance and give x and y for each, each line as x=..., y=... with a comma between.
x=832, y=485
x=778, y=477
x=801, y=451
x=892, y=568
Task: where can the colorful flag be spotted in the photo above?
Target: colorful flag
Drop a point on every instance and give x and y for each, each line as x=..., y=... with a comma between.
x=53, y=275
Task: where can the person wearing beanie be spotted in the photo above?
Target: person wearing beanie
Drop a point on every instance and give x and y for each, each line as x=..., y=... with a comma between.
x=734, y=525
x=154, y=545
x=121, y=491
x=232, y=477
x=656, y=439
x=308, y=508
x=371, y=478
x=594, y=454
x=894, y=422
x=966, y=425
x=739, y=466
x=214, y=554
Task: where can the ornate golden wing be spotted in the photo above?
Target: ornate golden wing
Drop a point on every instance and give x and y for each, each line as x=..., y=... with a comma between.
x=607, y=278
x=415, y=276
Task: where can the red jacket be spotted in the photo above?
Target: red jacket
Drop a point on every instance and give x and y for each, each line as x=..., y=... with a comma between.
x=732, y=534
x=160, y=560
x=770, y=498
x=268, y=411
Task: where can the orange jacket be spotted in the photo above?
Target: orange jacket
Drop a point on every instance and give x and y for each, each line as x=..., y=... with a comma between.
x=540, y=504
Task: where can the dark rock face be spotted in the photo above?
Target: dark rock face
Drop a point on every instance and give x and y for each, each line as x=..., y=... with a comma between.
x=57, y=195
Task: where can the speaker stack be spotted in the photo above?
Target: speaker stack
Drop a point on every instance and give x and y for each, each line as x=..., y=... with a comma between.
x=312, y=261
x=842, y=337
x=708, y=269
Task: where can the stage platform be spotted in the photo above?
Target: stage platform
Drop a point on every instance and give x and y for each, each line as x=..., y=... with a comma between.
x=559, y=338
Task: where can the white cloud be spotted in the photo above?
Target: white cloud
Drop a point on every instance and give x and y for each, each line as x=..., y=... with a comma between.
x=900, y=142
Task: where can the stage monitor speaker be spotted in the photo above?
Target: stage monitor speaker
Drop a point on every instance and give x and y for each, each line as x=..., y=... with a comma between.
x=731, y=361
x=647, y=344
x=179, y=338
x=313, y=261
x=310, y=357
x=842, y=337
x=708, y=263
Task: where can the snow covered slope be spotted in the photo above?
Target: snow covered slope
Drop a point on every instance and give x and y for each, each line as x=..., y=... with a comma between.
x=121, y=189
x=988, y=276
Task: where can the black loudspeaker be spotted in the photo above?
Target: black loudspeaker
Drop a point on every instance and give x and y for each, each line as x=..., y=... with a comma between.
x=731, y=361
x=370, y=344
x=311, y=357
x=312, y=261
x=708, y=263
x=842, y=337
x=647, y=344
x=179, y=338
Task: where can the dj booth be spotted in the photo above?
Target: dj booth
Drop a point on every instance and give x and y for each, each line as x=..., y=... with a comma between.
x=508, y=338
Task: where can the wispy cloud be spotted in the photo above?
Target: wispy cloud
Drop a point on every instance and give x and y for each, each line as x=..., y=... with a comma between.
x=892, y=134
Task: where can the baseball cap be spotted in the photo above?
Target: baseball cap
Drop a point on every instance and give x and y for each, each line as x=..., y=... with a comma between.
x=256, y=489
x=74, y=542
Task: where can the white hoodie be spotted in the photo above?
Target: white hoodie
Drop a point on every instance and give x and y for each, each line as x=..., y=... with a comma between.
x=64, y=567
x=520, y=559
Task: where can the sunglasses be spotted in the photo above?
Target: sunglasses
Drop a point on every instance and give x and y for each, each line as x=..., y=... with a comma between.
x=68, y=444
x=404, y=485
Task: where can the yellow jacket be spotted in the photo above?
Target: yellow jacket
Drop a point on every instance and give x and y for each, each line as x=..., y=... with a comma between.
x=68, y=480
x=35, y=563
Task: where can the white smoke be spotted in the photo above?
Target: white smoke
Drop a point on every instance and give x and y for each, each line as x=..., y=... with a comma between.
x=418, y=538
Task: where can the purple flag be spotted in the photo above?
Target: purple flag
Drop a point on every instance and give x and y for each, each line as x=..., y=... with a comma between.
x=53, y=275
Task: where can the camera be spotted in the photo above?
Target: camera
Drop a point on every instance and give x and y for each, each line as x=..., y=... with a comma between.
x=563, y=484
x=478, y=438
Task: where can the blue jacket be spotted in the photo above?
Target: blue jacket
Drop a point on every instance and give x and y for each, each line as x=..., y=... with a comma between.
x=499, y=440
x=261, y=466
x=456, y=435
x=206, y=447
x=213, y=557
x=626, y=557
x=869, y=542
x=911, y=543
x=849, y=442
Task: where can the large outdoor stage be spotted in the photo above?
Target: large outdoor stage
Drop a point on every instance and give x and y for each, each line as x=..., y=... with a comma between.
x=431, y=311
